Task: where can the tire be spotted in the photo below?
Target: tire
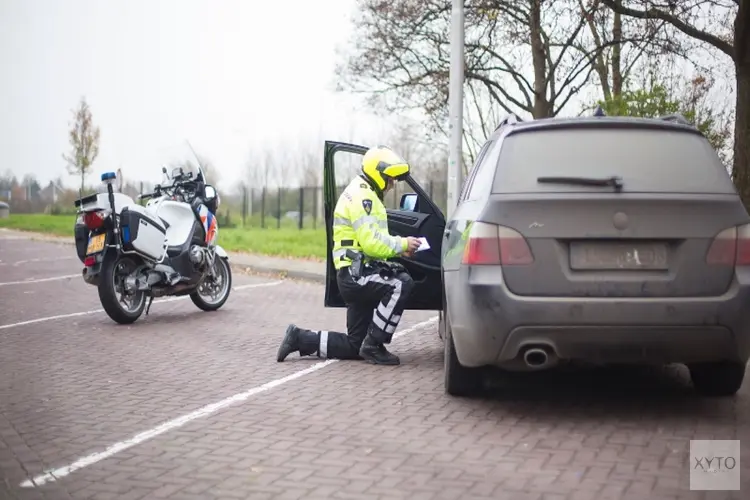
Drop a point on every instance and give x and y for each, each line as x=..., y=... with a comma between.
x=459, y=380
x=720, y=379
x=213, y=305
x=108, y=292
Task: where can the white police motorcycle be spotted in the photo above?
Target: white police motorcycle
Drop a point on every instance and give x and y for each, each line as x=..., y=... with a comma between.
x=133, y=253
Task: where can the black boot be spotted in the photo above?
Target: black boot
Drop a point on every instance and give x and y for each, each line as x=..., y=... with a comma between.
x=375, y=352
x=296, y=339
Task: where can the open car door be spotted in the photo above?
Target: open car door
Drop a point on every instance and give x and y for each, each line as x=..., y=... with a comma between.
x=416, y=215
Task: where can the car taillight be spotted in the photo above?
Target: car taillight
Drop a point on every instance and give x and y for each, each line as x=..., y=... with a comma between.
x=89, y=261
x=731, y=247
x=93, y=220
x=499, y=245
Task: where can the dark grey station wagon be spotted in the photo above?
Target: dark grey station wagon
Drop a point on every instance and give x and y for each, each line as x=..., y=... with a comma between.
x=599, y=239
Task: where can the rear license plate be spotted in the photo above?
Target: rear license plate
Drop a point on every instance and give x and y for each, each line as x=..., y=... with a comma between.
x=96, y=244
x=617, y=255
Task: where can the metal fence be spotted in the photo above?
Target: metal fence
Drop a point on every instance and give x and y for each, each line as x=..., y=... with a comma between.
x=267, y=208
x=300, y=207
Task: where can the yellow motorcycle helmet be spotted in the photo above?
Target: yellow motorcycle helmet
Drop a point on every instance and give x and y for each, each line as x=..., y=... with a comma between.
x=381, y=163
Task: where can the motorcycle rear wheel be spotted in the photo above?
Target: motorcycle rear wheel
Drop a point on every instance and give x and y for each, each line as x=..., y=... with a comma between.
x=209, y=296
x=127, y=308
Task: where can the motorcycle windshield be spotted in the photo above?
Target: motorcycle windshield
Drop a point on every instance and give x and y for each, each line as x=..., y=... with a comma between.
x=183, y=163
x=186, y=170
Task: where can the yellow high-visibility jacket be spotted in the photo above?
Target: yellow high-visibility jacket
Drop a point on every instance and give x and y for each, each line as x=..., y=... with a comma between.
x=360, y=223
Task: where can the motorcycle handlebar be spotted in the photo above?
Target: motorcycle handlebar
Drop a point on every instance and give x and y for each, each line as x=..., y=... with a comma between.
x=146, y=195
x=177, y=184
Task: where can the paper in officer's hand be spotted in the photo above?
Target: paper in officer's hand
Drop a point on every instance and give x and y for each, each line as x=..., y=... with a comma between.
x=423, y=245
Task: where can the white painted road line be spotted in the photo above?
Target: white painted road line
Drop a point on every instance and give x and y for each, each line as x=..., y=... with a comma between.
x=96, y=311
x=44, y=259
x=40, y=280
x=205, y=411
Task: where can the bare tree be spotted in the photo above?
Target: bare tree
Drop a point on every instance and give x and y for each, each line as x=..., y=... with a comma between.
x=411, y=141
x=310, y=165
x=529, y=57
x=625, y=45
x=213, y=174
x=724, y=26
x=254, y=170
x=84, y=140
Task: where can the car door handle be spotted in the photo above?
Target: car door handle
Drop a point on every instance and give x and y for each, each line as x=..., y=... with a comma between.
x=447, y=233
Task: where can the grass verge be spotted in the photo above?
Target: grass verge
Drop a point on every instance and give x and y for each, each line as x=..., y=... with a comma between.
x=283, y=242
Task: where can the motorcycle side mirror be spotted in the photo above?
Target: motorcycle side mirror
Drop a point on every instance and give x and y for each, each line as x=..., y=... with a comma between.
x=209, y=193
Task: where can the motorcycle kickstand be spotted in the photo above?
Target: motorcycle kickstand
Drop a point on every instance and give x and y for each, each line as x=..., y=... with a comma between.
x=150, y=300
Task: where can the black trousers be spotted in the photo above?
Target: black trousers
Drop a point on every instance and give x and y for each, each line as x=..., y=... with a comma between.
x=374, y=304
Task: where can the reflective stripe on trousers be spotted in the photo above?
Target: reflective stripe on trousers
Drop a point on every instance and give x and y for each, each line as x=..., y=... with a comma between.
x=381, y=316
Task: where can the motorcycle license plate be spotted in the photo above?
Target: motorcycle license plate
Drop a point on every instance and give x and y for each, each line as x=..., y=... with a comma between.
x=96, y=244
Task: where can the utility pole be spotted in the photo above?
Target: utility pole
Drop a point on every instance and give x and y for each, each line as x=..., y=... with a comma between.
x=455, y=105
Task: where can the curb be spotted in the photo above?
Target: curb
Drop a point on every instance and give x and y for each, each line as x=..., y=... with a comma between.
x=279, y=273
x=253, y=268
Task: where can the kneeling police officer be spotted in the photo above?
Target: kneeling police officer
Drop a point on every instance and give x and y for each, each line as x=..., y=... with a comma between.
x=374, y=290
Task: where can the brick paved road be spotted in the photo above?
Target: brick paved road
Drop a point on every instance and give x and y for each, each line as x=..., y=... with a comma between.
x=70, y=387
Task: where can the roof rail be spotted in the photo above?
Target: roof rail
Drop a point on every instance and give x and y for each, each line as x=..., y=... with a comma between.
x=511, y=119
x=676, y=117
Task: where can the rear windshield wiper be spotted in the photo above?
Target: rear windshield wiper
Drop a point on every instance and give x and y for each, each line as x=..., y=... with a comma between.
x=615, y=182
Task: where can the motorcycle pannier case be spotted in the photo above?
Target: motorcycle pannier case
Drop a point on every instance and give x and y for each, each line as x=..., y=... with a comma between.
x=142, y=232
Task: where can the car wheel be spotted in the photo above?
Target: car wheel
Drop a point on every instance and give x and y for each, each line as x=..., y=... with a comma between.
x=717, y=379
x=459, y=380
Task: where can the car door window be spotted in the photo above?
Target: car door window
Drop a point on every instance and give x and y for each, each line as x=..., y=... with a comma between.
x=481, y=182
x=347, y=166
x=472, y=174
x=392, y=199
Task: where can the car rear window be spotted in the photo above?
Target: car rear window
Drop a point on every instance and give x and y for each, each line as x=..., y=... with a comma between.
x=648, y=160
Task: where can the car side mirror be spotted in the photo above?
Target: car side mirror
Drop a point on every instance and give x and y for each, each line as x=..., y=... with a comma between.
x=409, y=202
x=209, y=193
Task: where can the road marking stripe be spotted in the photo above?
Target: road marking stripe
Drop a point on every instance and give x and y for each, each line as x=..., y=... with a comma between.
x=96, y=311
x=40, y=280
x=205, y=411
x=44, y=259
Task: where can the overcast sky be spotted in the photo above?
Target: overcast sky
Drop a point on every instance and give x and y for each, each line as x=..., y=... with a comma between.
x=224, y=74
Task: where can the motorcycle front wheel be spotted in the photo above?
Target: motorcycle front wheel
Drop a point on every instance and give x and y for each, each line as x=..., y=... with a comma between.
x=213, y=292
x=122, y=306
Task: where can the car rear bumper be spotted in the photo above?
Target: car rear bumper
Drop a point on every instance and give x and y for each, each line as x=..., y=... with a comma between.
x=491, y=326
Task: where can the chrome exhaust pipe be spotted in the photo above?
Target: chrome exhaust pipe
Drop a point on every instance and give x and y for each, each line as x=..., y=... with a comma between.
x=535, y=357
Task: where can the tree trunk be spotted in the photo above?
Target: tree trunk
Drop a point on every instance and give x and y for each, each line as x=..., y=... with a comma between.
x=741, y=167
x=616, y=51
x=600, y=64
x=541, y=105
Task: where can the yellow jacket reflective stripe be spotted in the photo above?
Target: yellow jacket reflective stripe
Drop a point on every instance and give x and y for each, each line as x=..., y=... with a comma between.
x=360, y=223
